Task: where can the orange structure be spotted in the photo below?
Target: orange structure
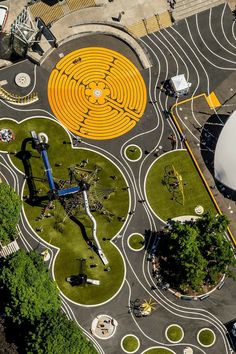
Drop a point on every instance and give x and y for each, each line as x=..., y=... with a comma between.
x=97, y=93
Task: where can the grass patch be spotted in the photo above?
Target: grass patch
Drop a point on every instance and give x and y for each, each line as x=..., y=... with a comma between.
x=162, y=200
x=136, y=241
x=66, y=234
x=158, y=351
x=133, y=152
x=174, y=333
x=206, y=337
x=130, y=343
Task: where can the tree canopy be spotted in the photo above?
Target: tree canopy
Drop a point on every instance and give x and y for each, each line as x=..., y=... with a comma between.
x=57, y=334
x=31, y=304
x=10, y=206
x=6, y=346
x=195, y=253
x=28, y=292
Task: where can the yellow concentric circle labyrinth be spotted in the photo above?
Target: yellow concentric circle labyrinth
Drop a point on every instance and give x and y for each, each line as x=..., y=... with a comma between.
x=97, y=93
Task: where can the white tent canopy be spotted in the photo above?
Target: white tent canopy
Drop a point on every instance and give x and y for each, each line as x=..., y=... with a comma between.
x=180, y=84
x=225, y=156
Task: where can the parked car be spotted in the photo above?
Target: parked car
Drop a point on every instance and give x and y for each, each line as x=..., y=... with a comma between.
x=3, y=16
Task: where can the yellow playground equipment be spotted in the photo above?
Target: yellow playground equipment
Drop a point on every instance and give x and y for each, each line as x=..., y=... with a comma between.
x=174, y=182
x=147, y=307
x=16, y=99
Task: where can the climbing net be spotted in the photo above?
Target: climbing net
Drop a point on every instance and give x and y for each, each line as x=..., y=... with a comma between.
x=97, y=191
x=174, y=182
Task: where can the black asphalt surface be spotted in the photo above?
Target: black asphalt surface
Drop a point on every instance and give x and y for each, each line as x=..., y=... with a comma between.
x=175, y=50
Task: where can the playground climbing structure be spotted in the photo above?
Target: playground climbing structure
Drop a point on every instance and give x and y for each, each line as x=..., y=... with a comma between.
x=40, y=143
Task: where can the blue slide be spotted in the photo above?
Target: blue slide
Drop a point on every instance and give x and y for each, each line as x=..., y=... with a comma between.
x=41, y=141
x=67, y=191
x=48, y=170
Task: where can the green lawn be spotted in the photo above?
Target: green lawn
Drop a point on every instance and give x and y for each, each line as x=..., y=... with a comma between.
x=159, y=351
x=130, y=343
x=136, y=241
x=206, y=337
x=174, y=333
x=70, y=238
x=167, y=201
x=133, y=152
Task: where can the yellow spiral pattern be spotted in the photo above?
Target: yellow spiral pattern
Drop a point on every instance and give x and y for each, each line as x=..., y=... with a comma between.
x=97, y=93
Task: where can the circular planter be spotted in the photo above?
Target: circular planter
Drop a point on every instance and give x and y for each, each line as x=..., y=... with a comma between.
x=136, y=242
x=133, y=152
x=130, y=343
x=174, y=333
x=206, y=337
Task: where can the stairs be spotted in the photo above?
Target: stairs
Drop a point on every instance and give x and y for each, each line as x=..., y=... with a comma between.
x=151, y=24
x=50, y=13
x=138, y=29
x=80, y=4
x=186, y=8
x=46, y=12
x=9, y=249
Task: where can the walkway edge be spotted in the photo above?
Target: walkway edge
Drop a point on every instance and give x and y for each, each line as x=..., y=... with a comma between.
x=83, y=29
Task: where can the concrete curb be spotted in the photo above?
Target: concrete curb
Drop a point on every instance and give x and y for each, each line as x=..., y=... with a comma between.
x=83, y=29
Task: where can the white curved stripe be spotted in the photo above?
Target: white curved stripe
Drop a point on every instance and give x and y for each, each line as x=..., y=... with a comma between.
x=198, y=76
x=72, y=316
x=194, y=53
x=206, y=314
x=219, y=327
x=233, y=30
x=222, y=26
x=208, y=60
x=155, y=341
x=210, y=20
x=155, y=297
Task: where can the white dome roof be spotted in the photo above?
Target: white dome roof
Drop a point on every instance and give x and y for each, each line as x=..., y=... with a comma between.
x=225, y=154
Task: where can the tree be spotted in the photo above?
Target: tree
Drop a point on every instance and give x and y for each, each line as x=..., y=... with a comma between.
x=10, y=205
x=56, y=334
x=215, y=248
x=28, y=292
x=195, y=253
x=183, y=256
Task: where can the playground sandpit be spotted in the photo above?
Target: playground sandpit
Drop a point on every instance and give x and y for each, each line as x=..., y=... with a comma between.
x=104, y=326
x=174, y=187
x=67, y=227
